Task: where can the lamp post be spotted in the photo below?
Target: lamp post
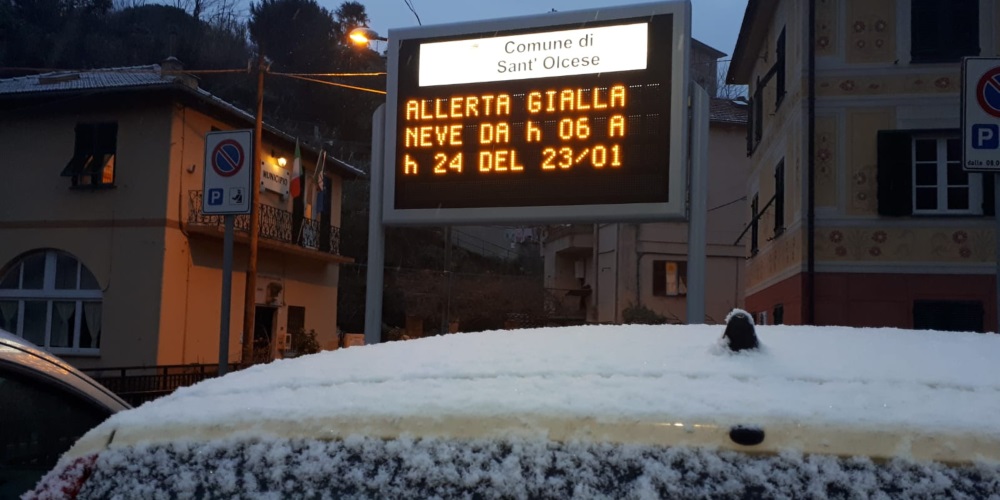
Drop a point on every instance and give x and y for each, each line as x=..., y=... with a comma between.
x=374, y=280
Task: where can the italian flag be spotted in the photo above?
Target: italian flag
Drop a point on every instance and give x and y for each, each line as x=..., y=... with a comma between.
x=295, y=188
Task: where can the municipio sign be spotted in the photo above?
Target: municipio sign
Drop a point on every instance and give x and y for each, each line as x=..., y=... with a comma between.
x=559, y=117
x=227, y=172
x=981, y=114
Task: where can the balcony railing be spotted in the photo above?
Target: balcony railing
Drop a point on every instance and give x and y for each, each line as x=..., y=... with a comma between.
x=275, y=224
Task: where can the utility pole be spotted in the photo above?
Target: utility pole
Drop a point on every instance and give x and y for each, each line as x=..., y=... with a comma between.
x=249, y=305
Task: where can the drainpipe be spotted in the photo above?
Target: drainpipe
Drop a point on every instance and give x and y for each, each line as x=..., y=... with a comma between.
x=810, y=318
x=596, y=281
x=638, y=264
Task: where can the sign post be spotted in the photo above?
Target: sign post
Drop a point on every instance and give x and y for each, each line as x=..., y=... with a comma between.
x=981, y=135
x=226, y=192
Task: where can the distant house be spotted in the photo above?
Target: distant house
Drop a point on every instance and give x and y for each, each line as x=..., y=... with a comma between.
x=106, y=258
x=860, y=211
x=597, y=272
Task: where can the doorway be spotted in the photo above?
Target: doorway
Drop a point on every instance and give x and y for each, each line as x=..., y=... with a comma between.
x=263, y=333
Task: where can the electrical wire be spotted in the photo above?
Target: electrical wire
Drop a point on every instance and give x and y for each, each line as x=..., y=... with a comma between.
x=353, y=87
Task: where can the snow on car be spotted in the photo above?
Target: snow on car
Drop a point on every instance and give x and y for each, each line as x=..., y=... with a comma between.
x=590, y=411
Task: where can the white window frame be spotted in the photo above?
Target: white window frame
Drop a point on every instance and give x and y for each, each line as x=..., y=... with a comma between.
x=974, y=186
x=50, y=295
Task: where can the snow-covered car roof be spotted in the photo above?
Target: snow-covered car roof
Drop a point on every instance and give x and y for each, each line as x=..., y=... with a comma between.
x=834, y=390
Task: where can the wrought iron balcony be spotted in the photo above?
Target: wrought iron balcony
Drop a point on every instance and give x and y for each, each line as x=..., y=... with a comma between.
x=275, y=224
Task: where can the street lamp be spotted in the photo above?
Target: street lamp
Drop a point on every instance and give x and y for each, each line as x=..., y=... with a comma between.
x=363, y=35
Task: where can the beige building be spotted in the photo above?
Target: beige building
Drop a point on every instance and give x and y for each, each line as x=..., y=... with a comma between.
x=600, y=273
x=105, y=257
x=860, y=211
x=595, y=272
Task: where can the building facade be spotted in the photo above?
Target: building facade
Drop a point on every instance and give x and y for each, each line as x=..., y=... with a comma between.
x=613, y=273
x=106, y=258
x=609, y=273
x=859, y=211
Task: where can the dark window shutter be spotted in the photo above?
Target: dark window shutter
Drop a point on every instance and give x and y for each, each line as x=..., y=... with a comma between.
x=779, y=196
x=779, y=86
x=106, y=138
x=989, y=195
x=85, y=139
x=895, y=173
x=943, y=31
x=750, y=121
x=659, y=277
x=966, y=23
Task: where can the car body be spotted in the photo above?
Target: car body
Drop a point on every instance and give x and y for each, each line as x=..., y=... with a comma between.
x=595, y=411
x=47, y=405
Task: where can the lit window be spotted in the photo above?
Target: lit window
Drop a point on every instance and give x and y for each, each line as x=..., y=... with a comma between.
x=52, y=300
x=93, y=162
x=669, y=278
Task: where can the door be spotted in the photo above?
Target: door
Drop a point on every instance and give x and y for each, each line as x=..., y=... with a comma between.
x=263, y=334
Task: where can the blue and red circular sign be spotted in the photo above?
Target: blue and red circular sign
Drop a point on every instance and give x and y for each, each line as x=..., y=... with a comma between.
x=227, y=158
x=988, y=92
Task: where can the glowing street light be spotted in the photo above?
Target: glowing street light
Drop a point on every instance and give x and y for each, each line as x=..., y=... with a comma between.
x=364, y=35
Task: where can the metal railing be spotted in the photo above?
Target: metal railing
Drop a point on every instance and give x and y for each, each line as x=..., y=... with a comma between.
x=275, y=224
x=138, y=384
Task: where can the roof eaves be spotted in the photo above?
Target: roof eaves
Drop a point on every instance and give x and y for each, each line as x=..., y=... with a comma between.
x=753, y=32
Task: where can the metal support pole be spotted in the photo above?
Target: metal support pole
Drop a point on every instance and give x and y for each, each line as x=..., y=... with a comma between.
x=996, y=235
x=376, y=233
x=227, y=290
x=698, y=209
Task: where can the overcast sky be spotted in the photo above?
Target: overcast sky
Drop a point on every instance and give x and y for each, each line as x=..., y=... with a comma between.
x=714, y=22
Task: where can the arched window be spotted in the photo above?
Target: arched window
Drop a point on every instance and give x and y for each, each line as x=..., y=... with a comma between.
x=52, y=300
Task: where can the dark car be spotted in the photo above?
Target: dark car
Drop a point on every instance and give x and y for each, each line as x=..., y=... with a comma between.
x=45, y=406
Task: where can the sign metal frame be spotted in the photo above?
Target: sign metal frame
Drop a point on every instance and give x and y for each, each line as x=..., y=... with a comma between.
x=674, y=208
x=235, y=149
x=980, y=124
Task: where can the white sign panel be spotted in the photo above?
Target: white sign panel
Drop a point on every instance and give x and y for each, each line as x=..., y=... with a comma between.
x=536, y=55
x=227, y=172
x=981, y=114
x=274, y=178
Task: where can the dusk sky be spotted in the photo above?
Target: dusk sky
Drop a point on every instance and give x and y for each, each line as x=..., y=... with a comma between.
x=714, y=22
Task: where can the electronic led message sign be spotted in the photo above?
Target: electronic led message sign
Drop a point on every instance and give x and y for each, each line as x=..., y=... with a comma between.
x=558, y=117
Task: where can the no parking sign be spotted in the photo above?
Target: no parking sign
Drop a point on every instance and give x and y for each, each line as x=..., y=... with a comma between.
x=227, y=172
x=981, y=114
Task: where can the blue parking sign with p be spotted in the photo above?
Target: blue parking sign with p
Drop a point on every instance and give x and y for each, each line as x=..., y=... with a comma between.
x=986, y=136
x=227, y=172
x=215, y=196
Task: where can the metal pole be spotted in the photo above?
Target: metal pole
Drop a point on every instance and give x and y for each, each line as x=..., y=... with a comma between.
x=227, y=289
x=249, y=297
x=376, y=233
x=699, y=213
x=996, y=235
